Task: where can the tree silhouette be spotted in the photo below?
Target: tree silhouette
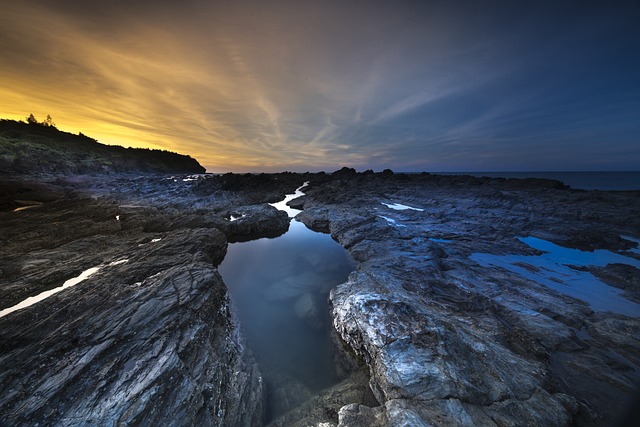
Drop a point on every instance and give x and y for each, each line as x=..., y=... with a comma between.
x=46, y=122
x=49, y=121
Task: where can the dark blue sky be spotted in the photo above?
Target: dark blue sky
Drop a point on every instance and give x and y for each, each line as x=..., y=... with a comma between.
x=267, y=86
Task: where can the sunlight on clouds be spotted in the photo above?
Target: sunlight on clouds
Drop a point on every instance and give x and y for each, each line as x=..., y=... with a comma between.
x=253, y=85
x=226, y=103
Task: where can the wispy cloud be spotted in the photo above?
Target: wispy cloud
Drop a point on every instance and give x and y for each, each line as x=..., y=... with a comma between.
x=254, y=85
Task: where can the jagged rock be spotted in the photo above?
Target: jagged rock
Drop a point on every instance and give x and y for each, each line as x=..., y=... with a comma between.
x=324, y=408
x=255, y=222
x=447, y=341
x=297, y=203
x=141, y=341
x=147, y=338
x=355, y=415
x=450, y=342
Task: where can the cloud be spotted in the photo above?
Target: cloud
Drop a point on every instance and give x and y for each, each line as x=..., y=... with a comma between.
x=276, y=85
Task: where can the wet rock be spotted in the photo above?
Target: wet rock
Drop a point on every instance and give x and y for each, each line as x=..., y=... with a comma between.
x=355, y=415
x=15, y=193
x=623, y=276
x=318, y=220
x=445, y=339
x=326, y=408
x=139, y=342
x=451, y=342
x=297, y=203
x=150, y=336
x=254, y=222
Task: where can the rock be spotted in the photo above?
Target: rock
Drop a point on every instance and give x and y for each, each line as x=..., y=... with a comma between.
x=623, y=276
x=147, y=338
x=446, y=340
x=449, y=341
x=136, y=343
x=354, y=415
x=297, y=203
x=345, y=172
x=317, y=221
x=256, y=222
x=16, y=193
x=324, y=408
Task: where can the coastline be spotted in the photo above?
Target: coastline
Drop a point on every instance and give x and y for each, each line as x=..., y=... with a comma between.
x=579, y=180
x=443, y=338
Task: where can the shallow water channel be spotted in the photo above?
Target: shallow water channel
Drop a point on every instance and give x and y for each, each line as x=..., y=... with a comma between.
x=280, y=290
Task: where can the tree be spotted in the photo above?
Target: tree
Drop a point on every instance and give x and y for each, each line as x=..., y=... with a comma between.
x=46, y=122
x=49, y=121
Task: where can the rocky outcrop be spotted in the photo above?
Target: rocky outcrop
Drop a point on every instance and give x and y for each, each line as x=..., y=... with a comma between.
x=452, y=342
x=251, y=222
x=150, y=335
x=40, y=148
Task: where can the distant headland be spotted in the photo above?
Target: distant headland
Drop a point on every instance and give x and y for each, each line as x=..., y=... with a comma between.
x=40, y=147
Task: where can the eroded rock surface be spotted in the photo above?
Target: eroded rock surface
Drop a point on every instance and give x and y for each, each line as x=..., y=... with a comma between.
x=148, y=337
x=452, y=342
x=152, y=336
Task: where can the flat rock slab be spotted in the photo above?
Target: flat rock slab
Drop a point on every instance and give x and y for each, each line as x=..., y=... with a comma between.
x=452, y=342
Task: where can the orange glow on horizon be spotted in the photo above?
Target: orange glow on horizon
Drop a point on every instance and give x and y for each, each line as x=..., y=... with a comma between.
x=265, y=86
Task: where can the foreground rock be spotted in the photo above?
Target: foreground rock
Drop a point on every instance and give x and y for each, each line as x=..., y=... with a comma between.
x=451, y=342
x=150, y=335
x=117, y=351
x=447, y=340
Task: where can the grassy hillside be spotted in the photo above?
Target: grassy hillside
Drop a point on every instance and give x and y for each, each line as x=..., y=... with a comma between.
x=39, y=148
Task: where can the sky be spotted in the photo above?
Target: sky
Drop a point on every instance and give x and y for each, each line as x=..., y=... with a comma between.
x=249, y=86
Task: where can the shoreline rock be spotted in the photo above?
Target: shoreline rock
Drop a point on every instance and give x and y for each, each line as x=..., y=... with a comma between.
x=151, y=336
x=446, y=340
x=142, y=341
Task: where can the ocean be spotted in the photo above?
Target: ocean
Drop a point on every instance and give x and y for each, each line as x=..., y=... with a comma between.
x=618, y=181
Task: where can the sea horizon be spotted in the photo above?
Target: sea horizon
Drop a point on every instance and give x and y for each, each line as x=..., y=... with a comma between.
x=579, y=180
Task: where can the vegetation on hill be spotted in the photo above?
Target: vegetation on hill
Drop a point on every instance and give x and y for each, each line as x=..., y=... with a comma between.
x=39, y=147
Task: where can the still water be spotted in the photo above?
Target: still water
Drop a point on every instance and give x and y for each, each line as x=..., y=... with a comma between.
x=280, y=290
x=556, y=269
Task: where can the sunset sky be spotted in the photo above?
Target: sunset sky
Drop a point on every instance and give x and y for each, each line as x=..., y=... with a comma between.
x=316, y=85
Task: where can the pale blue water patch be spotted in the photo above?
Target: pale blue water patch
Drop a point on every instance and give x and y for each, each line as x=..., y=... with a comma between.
x=568, y=256
x=552, y=269
x=391, y=221
x=437, y=240
x=625, y=180
x=401, y=207
x=280, y=289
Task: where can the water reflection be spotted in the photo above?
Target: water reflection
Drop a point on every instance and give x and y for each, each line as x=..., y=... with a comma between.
x=280, y=288
x=554, y=268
